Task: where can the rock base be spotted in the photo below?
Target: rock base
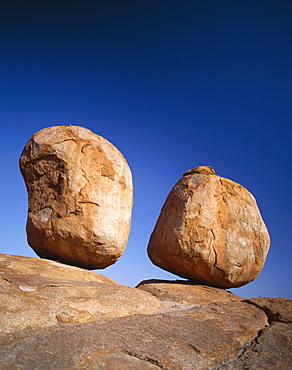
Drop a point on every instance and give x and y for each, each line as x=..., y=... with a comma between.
x=174, y=325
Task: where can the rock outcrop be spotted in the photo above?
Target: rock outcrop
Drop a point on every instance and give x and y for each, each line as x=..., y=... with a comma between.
x=191, y=339
x=210, y=230
x=80, y=197
x=272, y=349
x=55, y=316
x=38, y=293
x=183, y=294
x=277, y=309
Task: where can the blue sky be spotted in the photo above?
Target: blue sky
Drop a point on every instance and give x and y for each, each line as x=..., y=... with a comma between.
x=173, y=85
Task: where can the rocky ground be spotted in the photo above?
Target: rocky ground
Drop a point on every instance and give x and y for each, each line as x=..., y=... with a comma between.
x=55, y=316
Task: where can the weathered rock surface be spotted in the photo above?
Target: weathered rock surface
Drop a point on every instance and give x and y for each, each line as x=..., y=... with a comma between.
x=80, y=197
x=55, y=316
x=37, y=293
x=210, y=229
x=181, y=294
x=192, y=339
x=277, y=309
x=272, y=349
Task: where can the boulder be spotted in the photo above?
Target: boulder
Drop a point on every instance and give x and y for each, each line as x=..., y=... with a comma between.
x=210, y=230
x=37, y=293
x=80, y=197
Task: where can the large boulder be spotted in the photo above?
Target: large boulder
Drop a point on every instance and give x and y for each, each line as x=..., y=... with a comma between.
x=37, y=293
x=80, y=197
x=210, y=229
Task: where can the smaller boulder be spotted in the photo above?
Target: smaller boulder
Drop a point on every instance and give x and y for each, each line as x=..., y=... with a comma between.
x=210, y=230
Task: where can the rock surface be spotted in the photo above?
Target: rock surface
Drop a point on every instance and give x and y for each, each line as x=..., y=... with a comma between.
x=80, y=197
x=271, y=350
x=37, y=293
x=103, y=325
x=277, y=309
x=210, y=230
x=181, y=294
x=190, y=339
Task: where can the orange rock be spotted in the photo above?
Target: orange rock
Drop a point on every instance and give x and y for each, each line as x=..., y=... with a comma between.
x=37, y=293
x=80, y=197
x=210, y=229
x=204, y=337
x=182, y=294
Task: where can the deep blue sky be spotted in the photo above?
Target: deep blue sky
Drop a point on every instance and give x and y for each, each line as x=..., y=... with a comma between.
x=173, y=85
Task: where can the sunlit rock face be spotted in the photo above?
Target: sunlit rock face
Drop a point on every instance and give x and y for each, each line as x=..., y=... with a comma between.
x=38, y=293
x=80, y=197
x=210, y=229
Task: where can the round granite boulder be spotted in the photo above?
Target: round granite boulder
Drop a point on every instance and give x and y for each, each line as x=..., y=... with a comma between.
x=210, y=230
x=80, y=197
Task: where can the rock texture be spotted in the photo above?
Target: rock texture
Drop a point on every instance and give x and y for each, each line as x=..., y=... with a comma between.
x=210, y=230
x=277, y=309
x=182, y=294
x=192, y=339
x=80, y=197
x=55, y=316
x=272, y=349
x=38, y=293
